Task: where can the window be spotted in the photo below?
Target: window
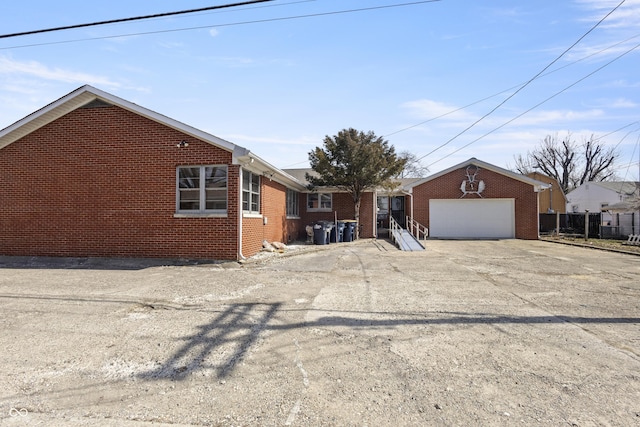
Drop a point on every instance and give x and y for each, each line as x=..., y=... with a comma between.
x=293, y=208
x=383, y=204
x=319, y=201
x=250, y=192
x=202, y=189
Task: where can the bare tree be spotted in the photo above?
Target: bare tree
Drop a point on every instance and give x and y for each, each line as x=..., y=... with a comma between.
x=570, y=163
x=412, y=168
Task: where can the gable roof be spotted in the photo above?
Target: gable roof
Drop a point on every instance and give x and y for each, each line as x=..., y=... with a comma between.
x=88, y=94
x=551, y=180
x=300, y=175
x=537, y=185
x=627, y=188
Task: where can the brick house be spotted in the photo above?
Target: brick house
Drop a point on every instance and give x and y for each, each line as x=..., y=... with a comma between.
x=471, y=200
x=94, y=175
x=477, y=200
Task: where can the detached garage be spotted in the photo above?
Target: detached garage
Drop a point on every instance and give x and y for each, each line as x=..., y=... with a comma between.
x=477, y=200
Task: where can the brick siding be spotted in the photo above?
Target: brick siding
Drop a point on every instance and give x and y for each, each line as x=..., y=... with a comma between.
x=102, y=182
x=497, y=186
x=278, y=227
x=342, y=204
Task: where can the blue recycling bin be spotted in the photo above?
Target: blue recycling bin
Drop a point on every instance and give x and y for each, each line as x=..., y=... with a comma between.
x=337, y=233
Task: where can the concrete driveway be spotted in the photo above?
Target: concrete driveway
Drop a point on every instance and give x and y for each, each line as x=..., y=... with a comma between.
x=465, y=333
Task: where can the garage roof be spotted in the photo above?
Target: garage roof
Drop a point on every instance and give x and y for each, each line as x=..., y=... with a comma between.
x=537, y=185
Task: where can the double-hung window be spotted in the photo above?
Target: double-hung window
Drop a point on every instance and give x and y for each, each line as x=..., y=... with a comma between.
x=202, y=189
x=319, y=201
x=250, y=192
x=293, y=209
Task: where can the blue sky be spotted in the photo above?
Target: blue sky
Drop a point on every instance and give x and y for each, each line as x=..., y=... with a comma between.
x=278, y=86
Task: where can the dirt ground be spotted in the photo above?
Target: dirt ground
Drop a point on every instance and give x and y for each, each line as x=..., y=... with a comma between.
x=359, y=334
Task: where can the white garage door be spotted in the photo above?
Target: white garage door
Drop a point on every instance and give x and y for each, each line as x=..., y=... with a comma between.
x=472, y=218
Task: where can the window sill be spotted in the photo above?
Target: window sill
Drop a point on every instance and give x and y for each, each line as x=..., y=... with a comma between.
x=251, y=215
x=319, y=210
x=199, y=215
x=293, y=216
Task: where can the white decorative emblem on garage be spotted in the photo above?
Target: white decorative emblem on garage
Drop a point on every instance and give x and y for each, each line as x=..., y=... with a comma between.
x=470, y=185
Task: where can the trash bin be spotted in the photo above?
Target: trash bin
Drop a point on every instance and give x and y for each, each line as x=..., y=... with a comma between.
x=337, y=232
x=319, y=235
x=349, y=231
x=321, y=232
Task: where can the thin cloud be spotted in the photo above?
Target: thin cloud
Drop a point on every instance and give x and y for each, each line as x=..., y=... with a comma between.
x=627, y=16
x=11, y=67
x=560, y=117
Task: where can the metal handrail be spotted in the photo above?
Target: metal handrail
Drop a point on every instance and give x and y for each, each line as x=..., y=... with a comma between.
x=393, y=226
x=416, y=229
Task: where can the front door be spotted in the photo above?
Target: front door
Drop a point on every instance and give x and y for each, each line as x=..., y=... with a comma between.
x=397, y=210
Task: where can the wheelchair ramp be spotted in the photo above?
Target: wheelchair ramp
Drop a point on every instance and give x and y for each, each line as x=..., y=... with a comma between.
x=406, y=241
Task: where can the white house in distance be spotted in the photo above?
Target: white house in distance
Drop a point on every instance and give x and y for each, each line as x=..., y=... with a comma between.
x=606, y=197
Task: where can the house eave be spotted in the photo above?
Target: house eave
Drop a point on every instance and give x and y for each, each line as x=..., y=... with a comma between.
x=87, y=94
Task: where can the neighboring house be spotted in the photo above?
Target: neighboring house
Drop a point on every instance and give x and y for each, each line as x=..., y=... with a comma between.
x=94, y=175
x=608, y=198
x=552, y=200
x=477, y=200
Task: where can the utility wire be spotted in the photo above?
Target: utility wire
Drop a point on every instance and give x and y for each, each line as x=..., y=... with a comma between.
x=285, y=18
x=135, y=18
x=538, y=104
x=511, y=88
x=523, y=86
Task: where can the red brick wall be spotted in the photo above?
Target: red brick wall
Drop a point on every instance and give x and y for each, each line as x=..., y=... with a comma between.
x=102, y=182
x=278, y=228
x=342, y=203
x=497, y=186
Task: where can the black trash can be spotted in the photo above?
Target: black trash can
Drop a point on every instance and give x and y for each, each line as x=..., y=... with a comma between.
x=337, y=232
x=349, y=230
x=319, y=234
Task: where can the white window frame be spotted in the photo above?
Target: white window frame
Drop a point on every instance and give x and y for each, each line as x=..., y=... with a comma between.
x=292, y=207
x=202, y=192
x=251, y=192
x=319, y=196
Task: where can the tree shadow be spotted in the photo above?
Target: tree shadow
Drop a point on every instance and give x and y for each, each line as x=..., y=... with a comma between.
x=232, y=333
x=235, y=329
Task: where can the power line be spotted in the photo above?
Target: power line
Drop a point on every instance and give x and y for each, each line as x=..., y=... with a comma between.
x=135, y=18
x=523, y=86
x=538, y=104
x=511, y=88
x=258, y=21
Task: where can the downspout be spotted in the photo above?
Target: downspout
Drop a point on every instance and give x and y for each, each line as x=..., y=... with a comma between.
x=375, y=214
x=411, y=201
x=537, y=190
x=240, y=256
